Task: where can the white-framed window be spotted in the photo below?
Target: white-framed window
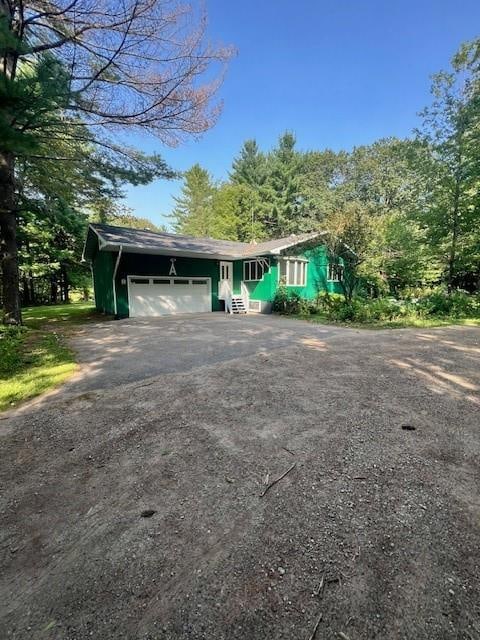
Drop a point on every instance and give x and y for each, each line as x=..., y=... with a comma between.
x=335, y=272
x=293, y=272
x=255, y=269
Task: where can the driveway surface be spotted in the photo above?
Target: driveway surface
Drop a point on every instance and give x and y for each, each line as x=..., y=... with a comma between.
x=132, y=507
x=114, y=353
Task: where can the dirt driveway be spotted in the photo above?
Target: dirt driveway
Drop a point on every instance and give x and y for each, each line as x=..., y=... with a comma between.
x=376, y=528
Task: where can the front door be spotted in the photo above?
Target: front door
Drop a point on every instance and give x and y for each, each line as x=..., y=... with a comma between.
x=225, y=284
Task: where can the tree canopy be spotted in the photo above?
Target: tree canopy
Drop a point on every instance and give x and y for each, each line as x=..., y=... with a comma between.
x=409, y=208
x=74, y=75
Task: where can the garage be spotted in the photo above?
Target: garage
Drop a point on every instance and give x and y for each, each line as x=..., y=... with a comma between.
x=151, y=296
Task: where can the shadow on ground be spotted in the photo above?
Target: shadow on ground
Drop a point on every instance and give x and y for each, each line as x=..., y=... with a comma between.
x=377, y=528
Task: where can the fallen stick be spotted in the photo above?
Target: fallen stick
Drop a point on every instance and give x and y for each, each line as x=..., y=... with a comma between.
x=274, y=482
x=320, y=588
x=343, y=635
x=288, y=451
x=314, y=630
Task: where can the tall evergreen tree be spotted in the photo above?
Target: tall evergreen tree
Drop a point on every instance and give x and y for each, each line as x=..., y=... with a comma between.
x=282, y=206
x=192, y=214
x=249, y=167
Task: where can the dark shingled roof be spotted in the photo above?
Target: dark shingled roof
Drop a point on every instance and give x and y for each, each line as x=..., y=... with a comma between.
x=145, y=241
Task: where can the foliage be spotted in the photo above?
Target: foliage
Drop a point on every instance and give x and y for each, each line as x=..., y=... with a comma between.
x=34, y=358
x=67, y=90
x=192, y=214
x=288, y=301
x=40, y=363
x=400, y=214
x=451, y=130
x=55, y=316
x=250, y=167
x=436, y=307
x=233, y=213
x=457, y=304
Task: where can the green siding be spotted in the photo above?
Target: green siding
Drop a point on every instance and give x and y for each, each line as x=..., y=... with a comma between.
x=137, y=264
x=237, y=276
x=265, y=288
x=133, y=264
x=317, y=272
x=103, y=265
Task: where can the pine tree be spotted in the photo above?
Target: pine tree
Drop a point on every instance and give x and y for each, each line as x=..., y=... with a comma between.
x=282, y=210
x=249, y=167
x=192, y=214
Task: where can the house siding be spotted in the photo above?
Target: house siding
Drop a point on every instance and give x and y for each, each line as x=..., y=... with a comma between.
x=103, y=265
x=264, y=289
x=136, y=264
x=317, y=274
x=131, y=264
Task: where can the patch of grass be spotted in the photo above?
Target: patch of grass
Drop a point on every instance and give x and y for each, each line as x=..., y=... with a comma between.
x=73, y=313
x=31, y=363
x=34, y=358
x=397, y=323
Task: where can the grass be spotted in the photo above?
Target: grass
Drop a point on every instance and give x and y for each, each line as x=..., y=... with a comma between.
x=397, y=323
x=58, y=314
x=35, y=358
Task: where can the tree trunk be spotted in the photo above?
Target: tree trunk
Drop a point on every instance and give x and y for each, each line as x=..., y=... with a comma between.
x=32, y=288
x=8, y=241
x=26, y=293
x=53, y=289
x=65, y=285
x=453, y=246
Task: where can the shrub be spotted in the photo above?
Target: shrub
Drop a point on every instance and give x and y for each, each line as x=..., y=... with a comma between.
x=334, y=307
x=458, y=304
x=290, y=302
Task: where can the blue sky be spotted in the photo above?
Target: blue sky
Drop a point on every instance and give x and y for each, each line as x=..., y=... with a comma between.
x=338, y=73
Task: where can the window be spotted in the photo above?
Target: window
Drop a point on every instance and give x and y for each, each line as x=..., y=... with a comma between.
x=163, y=281
x=293, y=273
x=140, y=281
x=255, y=269
x=335, y=272
x=180, y=282
x=203, y=282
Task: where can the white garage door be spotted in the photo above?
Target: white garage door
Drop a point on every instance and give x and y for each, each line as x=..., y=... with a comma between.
x=153, y=296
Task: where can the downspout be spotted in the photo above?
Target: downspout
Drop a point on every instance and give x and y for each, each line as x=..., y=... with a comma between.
x=113, y=280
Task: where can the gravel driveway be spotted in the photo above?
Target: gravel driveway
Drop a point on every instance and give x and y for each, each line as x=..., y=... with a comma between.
x=375, y=531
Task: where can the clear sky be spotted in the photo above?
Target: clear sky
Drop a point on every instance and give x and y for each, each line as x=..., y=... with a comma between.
x=338, y=73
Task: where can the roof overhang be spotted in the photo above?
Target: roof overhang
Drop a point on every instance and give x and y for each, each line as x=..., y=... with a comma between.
x=94, y=241
x=166, y=252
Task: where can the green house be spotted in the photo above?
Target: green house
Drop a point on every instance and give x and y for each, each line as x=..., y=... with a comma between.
x=141, y=273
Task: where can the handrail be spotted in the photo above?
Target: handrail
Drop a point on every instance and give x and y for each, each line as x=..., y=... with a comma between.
x=245, y=295
x=225, y=293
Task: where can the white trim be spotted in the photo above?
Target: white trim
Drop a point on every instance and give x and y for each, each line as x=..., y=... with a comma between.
x=290, y=259
x=113, y=280
x=294, y=242
x=101, y=243
x=263, y=263
x=335, y=264
x=169, y=251
x=228, y=265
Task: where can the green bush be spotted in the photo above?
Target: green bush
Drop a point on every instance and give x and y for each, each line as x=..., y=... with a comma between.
x=11, y=341
x=290, y=302
x=334, y=307
x=458, y=304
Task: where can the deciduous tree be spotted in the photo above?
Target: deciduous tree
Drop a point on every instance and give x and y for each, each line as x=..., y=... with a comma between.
x=82, y=71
